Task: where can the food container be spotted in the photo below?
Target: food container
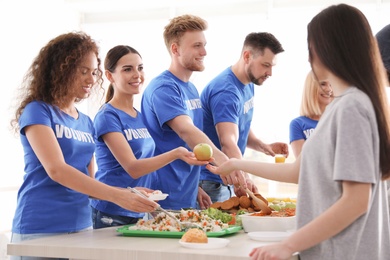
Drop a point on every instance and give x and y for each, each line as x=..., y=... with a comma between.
x=267, y=223
x=280, y=158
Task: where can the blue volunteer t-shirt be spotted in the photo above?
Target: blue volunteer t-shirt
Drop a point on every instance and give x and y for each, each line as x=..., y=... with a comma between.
x=226, y=99
x=45, y=206
x=301, y=128
x=165, y=98
x=108, y=120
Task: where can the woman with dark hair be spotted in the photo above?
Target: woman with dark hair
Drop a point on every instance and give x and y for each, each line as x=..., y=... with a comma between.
x=342, y=210
x=58, y=143
x=124, y=147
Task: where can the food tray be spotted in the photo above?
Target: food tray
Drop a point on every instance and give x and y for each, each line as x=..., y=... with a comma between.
x=172, y=234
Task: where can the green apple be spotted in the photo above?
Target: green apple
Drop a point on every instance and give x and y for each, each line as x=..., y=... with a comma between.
x=203, y=152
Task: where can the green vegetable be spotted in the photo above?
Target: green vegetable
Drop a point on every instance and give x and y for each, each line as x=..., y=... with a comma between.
x=278, y=205
x=290, y=205
x=241, y=212
x=275, y=207
x=238, y=220
x=218, y=215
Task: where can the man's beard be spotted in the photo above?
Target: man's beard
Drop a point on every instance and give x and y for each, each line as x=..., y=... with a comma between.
x=256, y=81
x=193, y=66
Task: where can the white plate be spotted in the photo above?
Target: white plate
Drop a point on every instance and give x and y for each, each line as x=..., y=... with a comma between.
x=212, y=243
x=270, y=236
x=161, y=196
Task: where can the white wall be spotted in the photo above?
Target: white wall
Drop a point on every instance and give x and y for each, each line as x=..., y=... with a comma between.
x=27, y=25
x=278, y=100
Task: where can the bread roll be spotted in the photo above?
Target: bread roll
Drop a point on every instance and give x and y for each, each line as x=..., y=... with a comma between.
x=194, y=235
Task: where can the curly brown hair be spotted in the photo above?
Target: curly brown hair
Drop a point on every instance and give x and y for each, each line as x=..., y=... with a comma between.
x=52, y=72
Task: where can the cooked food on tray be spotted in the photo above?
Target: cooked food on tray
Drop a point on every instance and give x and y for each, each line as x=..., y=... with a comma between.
x=281, y=213
x=244, y=204
x=280, y=204
x=220, y=215
x=164, y=223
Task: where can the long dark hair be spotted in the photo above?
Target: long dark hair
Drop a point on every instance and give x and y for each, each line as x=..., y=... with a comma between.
x=111, y=60
x=342, y=38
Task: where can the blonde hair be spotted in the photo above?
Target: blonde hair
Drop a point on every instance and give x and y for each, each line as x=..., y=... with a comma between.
x=310, y=106
x=180, y=25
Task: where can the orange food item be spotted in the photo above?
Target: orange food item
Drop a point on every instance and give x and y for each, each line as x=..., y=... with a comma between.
x=281, y=213
x=227, y=204
x=233, y=221
x=233, y=204
x=194, y=235
x=255, y=207
x=236, y=201
x=216, y=205
x=245, y=202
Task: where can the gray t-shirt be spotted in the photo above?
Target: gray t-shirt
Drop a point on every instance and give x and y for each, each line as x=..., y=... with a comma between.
x=388, y=193
x=345, y=147
x=388, y=182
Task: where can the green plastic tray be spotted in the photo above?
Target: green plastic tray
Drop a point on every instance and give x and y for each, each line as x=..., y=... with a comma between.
x=172, y=234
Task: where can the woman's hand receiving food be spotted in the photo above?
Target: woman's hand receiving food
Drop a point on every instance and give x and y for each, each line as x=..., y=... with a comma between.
x=275, y=252
x=224, y=169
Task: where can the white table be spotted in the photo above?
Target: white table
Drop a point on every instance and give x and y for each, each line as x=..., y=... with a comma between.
x=108, y=244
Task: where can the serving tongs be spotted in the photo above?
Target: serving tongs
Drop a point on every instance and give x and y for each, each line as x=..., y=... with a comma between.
x=259, y=203
x=182, y=225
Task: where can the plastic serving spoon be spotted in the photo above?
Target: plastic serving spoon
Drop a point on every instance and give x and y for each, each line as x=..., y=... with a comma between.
x=259, y=203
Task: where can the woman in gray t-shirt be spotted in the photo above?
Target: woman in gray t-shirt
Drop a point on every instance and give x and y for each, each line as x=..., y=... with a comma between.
x=342, y=210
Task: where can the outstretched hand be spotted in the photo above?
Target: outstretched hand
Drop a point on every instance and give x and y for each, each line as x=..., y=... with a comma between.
x=280, y=148
x=235, y=178
x=228, y=174
x=276, y=148
x=189, y=157
x=224, y=169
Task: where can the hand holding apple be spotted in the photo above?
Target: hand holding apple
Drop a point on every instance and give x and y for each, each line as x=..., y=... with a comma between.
x=203, y=152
